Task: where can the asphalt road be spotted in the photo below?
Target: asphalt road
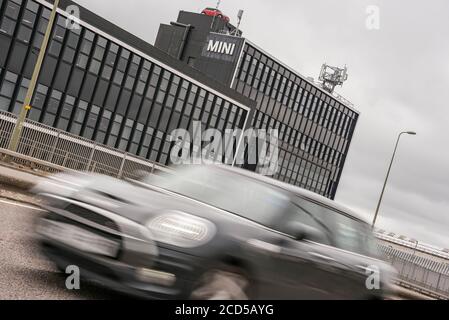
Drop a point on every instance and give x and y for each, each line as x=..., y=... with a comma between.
x=24, y=272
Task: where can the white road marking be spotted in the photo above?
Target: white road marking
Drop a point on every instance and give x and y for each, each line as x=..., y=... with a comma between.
x=21, y=205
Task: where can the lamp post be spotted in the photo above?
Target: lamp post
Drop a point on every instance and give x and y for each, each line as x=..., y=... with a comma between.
x=388, y=173
x=14, y=142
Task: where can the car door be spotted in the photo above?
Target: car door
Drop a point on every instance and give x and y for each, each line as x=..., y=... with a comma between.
x=299, y=268
x=346, y=250
x=351, y=238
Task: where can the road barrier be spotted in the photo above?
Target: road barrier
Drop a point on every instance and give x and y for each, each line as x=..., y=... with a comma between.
x=48, y=145
x=419, y=273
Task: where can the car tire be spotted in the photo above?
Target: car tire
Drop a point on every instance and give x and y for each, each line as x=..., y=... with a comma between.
x=222, y=284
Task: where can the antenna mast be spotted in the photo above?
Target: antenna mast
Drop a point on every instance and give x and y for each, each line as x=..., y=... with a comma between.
x=216, y=7
x=331, y=77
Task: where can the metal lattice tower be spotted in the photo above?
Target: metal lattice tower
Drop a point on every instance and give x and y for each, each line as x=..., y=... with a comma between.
x=331, y=77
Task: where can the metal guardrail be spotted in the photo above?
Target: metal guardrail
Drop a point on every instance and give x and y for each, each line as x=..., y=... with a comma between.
x=49, y=145
x=419, y=273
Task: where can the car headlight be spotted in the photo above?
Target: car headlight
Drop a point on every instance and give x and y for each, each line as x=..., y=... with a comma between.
x=181, y=229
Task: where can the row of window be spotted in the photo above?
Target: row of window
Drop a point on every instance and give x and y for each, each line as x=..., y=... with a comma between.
x=274, y=81
x=306, y=118
x=327, y=146
x=304, y=173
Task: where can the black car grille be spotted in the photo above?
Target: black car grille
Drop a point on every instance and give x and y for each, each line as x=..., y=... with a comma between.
x=92, y=216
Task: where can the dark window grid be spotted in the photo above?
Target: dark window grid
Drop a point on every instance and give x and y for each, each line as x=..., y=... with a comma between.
x=308, y=107
x=245, y=66
x=318, y=111
x=72, y=66
x=292, y=95
x=299, y=163
x=134, y=130
x=276, y=85
x=25, y=22
x=102, y=108
x=288, y=93
x=222, y=113
x=15, y=90
x=172, y=110
x=146, y=121
x=322, y=116
x=152, y=109
x=335, y=122
x=287, y=165
x=302, y=101
x=64, y=91
x=11, y=47
x=258, y=75
x=252, y=71
x=308, y=176
x=125, y=116
x=21, y=92
x=341, y=127
x=264, y=79
x=77, y=49
x=121, y=90
x=2, y=7
x=338, y=122
x=270, y=82
x=282, y=87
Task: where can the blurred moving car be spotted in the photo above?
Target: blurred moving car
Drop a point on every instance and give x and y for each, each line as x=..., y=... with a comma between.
x=213, y=12
x=209, y=232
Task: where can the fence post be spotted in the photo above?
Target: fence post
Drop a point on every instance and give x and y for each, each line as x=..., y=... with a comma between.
x=153, y=166
x=438, y=282
x=120, y=172
x=32, y=149
x=91, y=156
x=53, y=148
x=65, y=158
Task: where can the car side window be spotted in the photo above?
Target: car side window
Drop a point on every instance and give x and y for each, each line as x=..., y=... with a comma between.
x=347, y=234
x=298, y=215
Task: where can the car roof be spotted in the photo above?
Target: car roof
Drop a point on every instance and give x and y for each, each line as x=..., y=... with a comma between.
x=309, y=195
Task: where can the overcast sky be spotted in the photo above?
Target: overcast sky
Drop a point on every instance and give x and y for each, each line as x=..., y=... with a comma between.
x=398, y=80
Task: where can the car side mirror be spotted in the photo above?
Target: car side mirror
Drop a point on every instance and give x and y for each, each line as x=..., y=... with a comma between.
x=303, y=232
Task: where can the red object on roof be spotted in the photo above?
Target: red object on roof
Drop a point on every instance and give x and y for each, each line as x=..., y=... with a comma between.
x=212, y=12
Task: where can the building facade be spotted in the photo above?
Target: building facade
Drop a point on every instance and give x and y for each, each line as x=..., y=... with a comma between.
x=104, y=84
x=315, y=127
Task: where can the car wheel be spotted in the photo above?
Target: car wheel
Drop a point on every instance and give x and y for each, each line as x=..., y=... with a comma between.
x=222, y=285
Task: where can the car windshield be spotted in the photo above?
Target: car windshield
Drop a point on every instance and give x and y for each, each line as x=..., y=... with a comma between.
x=226, y=190
x=349, y=234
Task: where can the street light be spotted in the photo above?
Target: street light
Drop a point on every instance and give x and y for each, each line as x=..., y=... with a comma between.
x=14, y=142
x=388, y=173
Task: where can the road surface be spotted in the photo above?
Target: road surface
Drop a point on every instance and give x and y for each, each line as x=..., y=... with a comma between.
x=24, y=273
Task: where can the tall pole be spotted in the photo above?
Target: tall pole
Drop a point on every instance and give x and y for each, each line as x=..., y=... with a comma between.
x=388, y=174
x=213, y=19
x=14, y=142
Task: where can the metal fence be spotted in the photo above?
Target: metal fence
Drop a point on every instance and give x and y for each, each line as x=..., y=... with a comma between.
x=60, y=148
x=420, y=273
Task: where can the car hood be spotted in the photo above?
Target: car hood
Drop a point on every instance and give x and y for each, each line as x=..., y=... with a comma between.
x=133, y=200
